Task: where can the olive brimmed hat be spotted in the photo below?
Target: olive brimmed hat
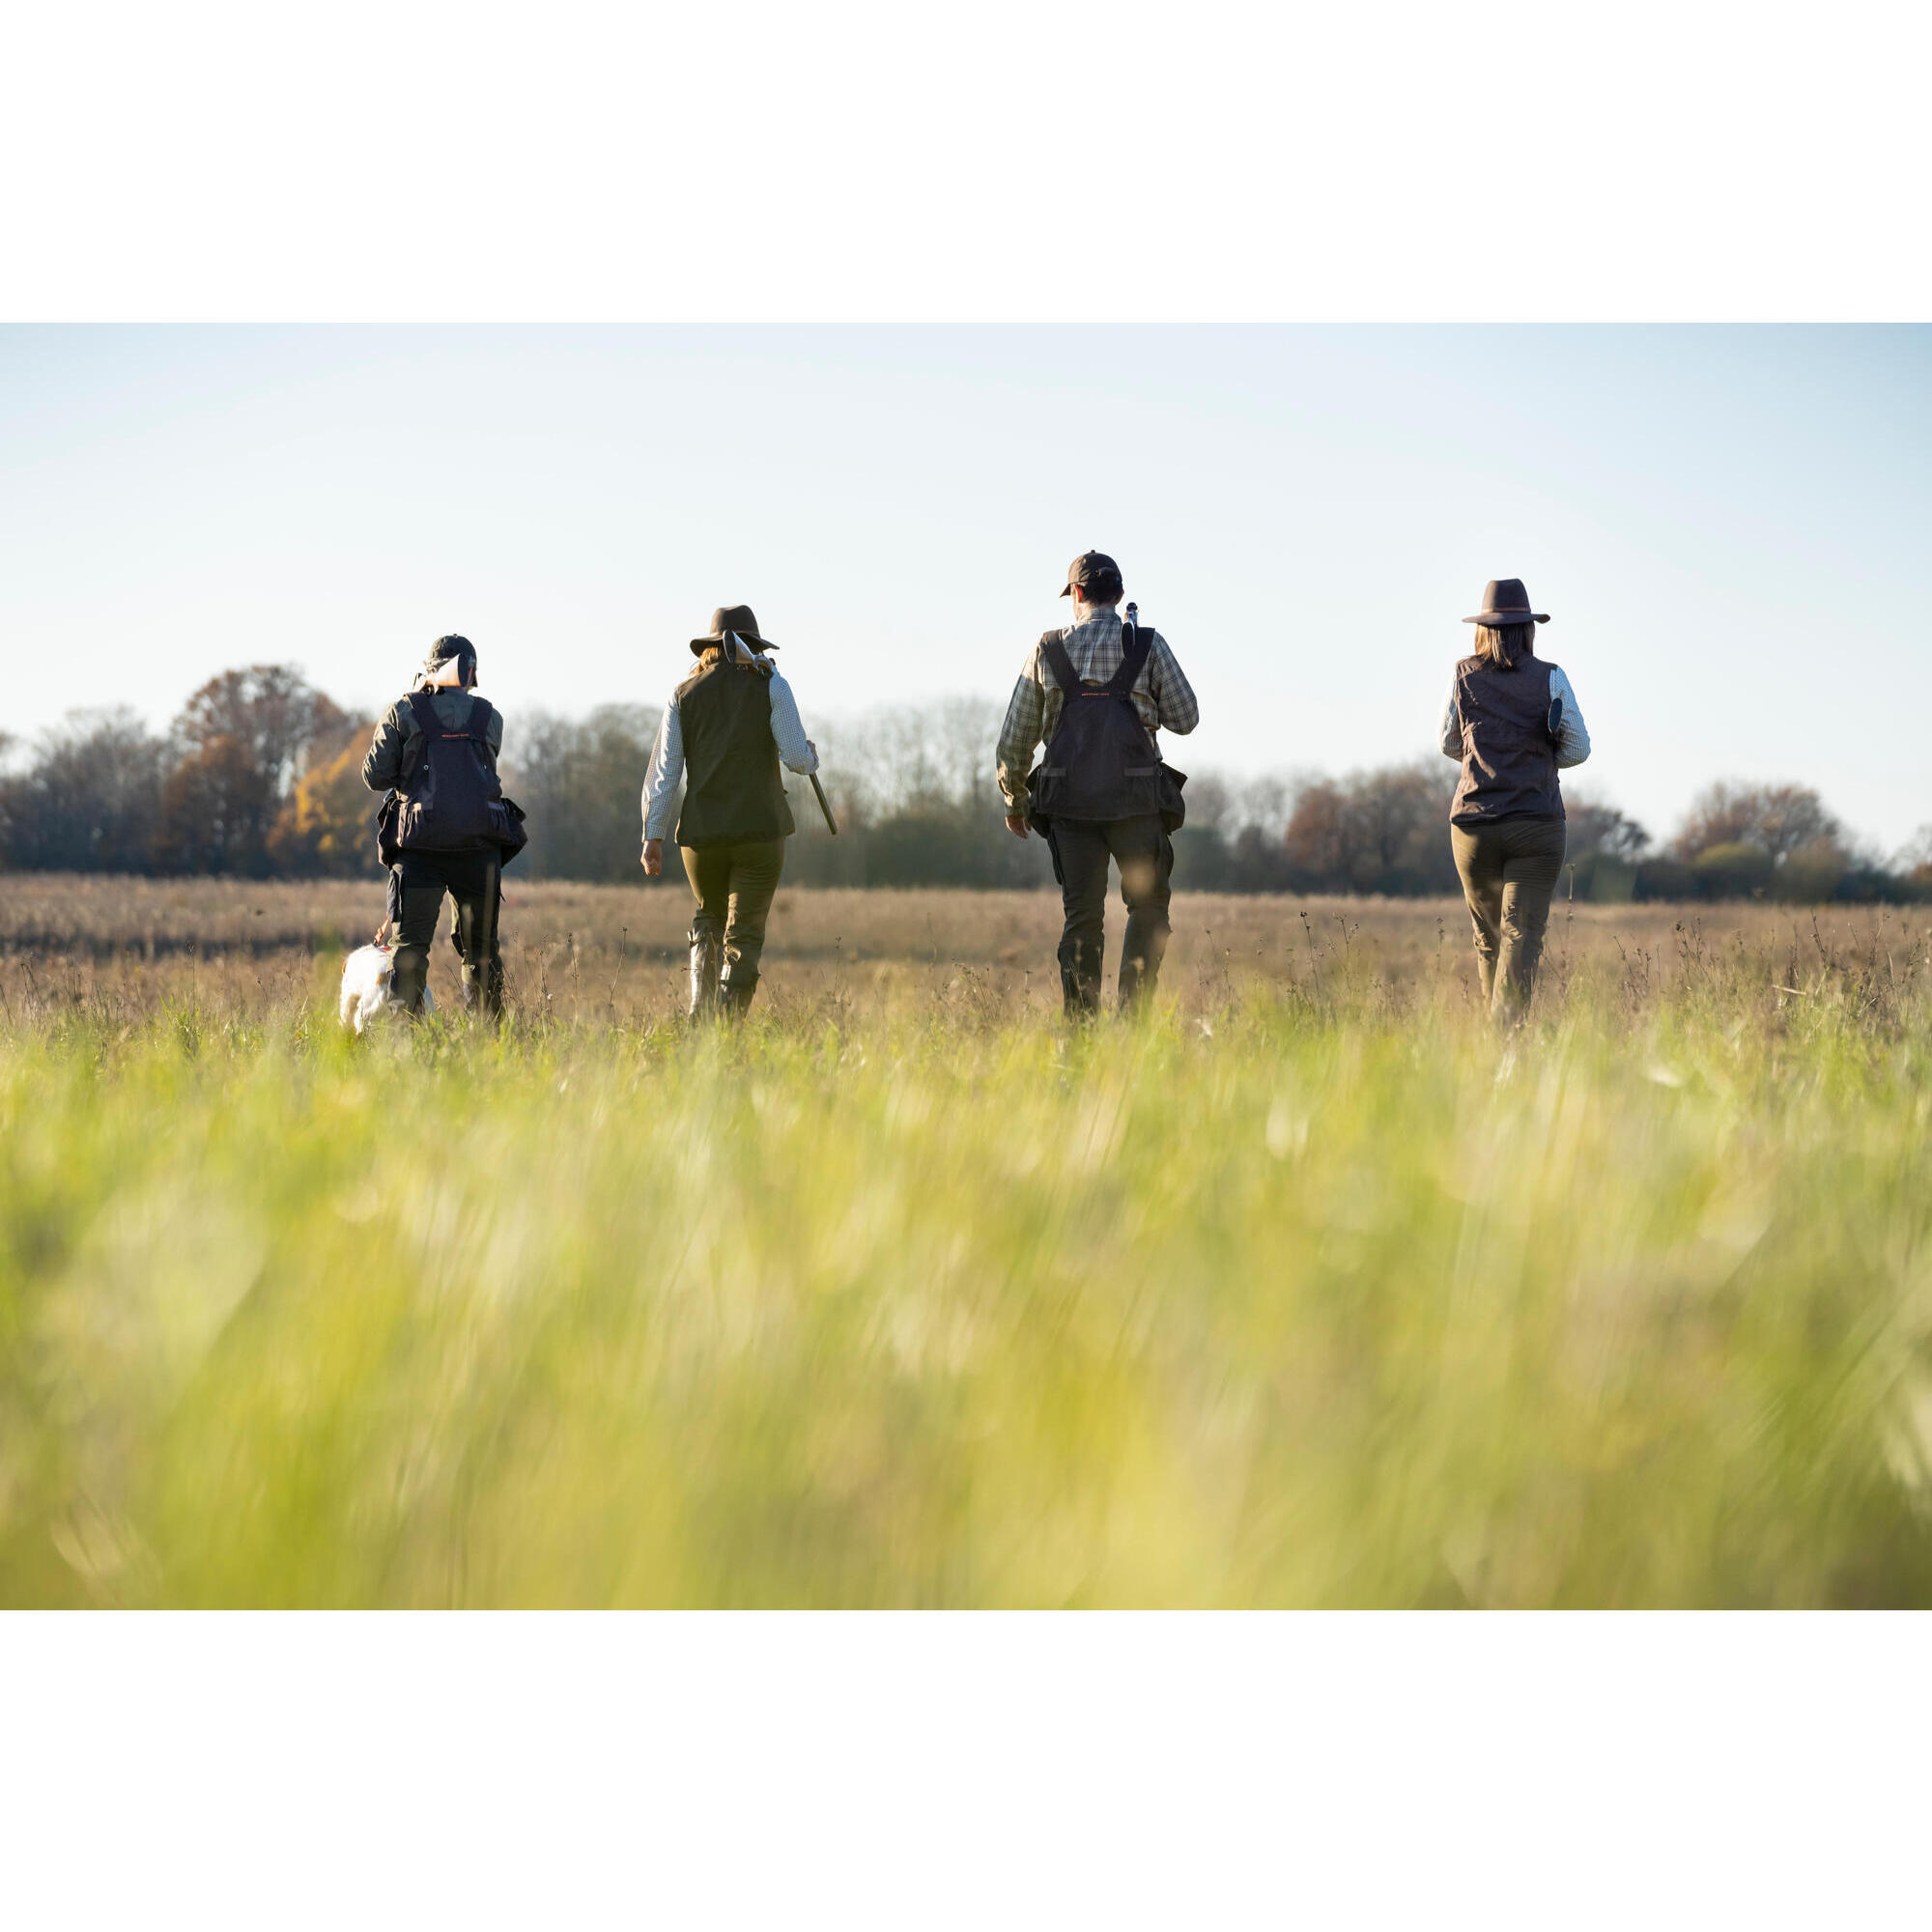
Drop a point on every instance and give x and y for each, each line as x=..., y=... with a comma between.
x=736, y=617
x=1506, y=602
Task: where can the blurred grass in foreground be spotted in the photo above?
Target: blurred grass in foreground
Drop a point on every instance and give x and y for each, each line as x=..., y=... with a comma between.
x=1312, y=1300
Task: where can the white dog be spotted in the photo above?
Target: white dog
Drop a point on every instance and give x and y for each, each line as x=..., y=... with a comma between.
x=368, y=984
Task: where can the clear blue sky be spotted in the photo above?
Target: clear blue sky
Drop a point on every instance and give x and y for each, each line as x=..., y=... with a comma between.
x=1728, y=525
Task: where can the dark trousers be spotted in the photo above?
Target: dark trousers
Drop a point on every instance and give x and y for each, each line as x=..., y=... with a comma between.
x=1144, y=855
x=733, y=886
x=1509, y=869
x=474, y=880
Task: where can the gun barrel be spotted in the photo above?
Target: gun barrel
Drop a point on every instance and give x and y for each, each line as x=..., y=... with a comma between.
x=830, y=823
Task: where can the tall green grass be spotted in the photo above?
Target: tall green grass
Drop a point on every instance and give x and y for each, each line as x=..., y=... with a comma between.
x=1315, y=1297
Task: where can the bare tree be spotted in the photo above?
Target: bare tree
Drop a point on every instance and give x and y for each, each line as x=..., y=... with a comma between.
x=1915, y=851
x=1777, y=819
x=580, y=781
x=1597, y=827
x=87, y=799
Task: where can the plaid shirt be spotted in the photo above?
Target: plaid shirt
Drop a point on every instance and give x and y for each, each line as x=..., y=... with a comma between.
x=1161, y=695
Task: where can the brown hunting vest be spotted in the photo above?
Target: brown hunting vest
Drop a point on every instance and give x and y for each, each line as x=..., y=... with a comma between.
x=733, y=794
x=1509, y=763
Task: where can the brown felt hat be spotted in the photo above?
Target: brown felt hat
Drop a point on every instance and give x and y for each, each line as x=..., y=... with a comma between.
x=731, y=617
x=1506, y=602
x=1096, y=575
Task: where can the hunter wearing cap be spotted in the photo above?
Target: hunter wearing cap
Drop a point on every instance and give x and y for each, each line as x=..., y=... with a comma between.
x=1097, y=691
x=444, y=837
x=723, y=732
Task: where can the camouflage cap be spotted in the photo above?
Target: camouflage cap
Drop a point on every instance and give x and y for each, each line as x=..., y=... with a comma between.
x=1096, y=575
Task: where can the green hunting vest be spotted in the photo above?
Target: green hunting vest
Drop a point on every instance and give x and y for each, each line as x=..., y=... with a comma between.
x=733, y=792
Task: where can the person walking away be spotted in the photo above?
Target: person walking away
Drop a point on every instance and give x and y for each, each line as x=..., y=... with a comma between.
x=1097, y=691
x=446, y=826
x=724, y=731
x=1513, y=722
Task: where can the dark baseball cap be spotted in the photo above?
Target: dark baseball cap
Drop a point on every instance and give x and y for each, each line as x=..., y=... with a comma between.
x=452, y=646
x=1096, y=575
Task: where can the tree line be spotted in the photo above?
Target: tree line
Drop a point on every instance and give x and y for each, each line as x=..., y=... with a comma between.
x=260, y=775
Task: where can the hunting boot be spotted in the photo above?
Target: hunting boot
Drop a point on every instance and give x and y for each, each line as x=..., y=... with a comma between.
x=738, y=989
x=706, y=956
x=1140, y=962
x=474, y=938
x=483, y=988
x=409, y=977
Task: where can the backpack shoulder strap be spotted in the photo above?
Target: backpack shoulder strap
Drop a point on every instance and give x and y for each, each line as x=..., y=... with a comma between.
x=479, y=721
x=1054, y=650
x=1136, y=641
x=427, y=721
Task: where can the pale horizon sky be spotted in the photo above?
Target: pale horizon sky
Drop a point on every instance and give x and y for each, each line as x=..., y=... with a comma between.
x=1727, y=524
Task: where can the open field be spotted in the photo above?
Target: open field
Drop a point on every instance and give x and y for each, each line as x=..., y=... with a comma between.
x=612, y=953
x=1309, y=1291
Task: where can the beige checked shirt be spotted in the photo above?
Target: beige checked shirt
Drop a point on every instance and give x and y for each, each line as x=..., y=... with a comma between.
x=1161, y=695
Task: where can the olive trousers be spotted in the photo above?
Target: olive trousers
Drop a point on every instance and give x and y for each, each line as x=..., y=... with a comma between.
x=733, y=886
x=1144, y=855
x=1509, y=869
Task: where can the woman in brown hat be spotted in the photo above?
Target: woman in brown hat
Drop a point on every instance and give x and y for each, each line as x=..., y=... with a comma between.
x=1513, y=722
x=724, y=734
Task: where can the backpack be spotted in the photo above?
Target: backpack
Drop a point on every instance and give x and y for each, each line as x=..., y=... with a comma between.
x=452, y=801
x=1101, y=763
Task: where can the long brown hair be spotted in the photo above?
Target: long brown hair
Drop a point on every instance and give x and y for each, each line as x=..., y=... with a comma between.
x=1505, y=646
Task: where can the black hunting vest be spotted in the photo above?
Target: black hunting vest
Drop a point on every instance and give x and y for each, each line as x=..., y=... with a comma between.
x=1101, y=763
x=733, y=793
x=1509, y=759
x=444, y=805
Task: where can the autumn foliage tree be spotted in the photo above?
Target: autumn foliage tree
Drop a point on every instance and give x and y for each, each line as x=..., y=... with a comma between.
x=327, y=825
x=1373, y=832
x=242, y=740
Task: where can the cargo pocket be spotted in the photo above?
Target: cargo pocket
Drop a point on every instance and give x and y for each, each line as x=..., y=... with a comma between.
x=1173, y=806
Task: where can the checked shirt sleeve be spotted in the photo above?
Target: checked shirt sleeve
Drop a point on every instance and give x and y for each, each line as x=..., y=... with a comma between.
x=1180, y=710
x=788, y=730
x=1574, y=747
x=1026, y=713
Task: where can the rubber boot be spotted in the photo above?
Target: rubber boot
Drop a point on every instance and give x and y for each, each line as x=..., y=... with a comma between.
x=705, y=951
x=738, y=989
x=409, y=977
x=474, y=938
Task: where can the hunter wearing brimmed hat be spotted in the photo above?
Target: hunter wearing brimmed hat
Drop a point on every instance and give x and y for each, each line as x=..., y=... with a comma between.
x=1097, y=692
x=1513, y=721
x=724, y=731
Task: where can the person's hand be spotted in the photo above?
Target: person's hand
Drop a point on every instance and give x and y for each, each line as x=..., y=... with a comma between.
x=654, y=856
x=1016, y=824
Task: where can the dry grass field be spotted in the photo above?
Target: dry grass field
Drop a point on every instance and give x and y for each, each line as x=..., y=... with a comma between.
x=585, y=954
x=1308, y=1290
